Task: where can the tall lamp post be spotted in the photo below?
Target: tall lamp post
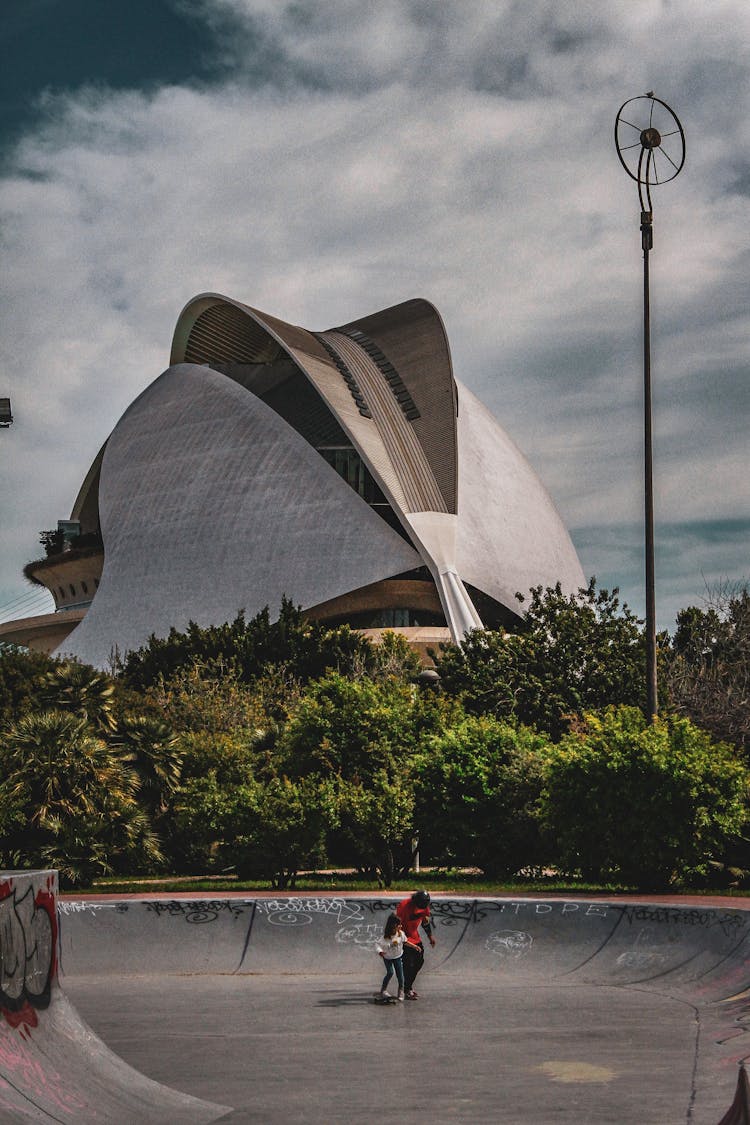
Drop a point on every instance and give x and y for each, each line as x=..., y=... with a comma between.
x=650, y=143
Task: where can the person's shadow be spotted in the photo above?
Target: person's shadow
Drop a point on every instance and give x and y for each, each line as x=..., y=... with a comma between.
x=343, y=999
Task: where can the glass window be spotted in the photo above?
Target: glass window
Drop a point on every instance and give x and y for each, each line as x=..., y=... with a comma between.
x=350, y=466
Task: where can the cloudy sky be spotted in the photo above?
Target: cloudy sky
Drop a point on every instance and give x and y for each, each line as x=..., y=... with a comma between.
x=320, y=159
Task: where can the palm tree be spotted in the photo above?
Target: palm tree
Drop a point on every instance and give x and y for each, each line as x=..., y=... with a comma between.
x=71, y=800
x=152, y=748
x=82, y=690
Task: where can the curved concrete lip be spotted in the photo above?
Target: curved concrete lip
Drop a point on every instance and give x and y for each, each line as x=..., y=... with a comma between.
x=531, y=1009
x=53, y=1067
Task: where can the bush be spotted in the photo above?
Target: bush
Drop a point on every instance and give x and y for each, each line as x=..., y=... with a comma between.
x=376, y=824
x=278, y=828
x=477, y=789
x=203, y=810
x=646, y=804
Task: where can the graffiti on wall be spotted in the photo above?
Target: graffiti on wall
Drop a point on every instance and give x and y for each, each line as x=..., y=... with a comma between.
x=730, y=922
x=197, y=912
x=28, y=949
x=301, y=911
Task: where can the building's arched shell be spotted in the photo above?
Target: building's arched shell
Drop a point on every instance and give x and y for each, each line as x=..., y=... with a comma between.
x=210, y=503
x=510, y=535
x=378, y=404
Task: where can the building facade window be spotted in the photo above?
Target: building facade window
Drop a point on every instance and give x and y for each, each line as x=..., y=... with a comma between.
x=350, y=466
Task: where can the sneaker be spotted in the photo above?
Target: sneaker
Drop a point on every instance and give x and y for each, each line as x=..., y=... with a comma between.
x=412, y=994
x=401, y=994
x=384, y=996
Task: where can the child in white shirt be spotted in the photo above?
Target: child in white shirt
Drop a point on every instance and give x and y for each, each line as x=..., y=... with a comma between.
x=390, y=948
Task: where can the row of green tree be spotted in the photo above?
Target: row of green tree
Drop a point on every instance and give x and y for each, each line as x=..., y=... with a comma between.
x=269, y=747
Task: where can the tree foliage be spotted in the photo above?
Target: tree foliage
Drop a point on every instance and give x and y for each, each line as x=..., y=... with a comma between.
x=81, y=690
x=266, y=747
x=708, y=674
x=151, y=748
x=349, y=728
x=574, y=653
x=644, y=803
x=365, y=734
x=21, y=675
x=69, y=800
x=306, y=649
x=478, y=785
x=215, y=700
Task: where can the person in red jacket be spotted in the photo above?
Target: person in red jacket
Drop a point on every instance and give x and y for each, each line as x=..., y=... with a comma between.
x=414, y=912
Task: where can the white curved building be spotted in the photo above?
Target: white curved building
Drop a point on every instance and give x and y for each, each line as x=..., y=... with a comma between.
x=346, y=469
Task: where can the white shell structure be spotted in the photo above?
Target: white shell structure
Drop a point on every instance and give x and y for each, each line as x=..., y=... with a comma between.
x=345, y=469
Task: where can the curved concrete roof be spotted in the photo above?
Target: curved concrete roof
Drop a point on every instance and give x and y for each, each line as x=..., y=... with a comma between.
x=210, y=504
x=366, y=392
x=211, y=500
x=510, y=535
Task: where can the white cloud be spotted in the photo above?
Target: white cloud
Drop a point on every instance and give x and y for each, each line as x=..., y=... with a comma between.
x=356, y=155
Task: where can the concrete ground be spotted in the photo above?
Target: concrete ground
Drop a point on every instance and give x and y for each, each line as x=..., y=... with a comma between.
x=316, y=1049
x=531, y=1011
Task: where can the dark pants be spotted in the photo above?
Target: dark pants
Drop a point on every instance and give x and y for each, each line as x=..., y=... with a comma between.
x=413, y=962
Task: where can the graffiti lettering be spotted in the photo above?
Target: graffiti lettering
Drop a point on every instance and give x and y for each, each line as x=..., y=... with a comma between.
x=728, y=921
x=66, y=907
x=642, y=955
x=450, y=913
x=300, y=911
x=585, y=909
x=359, y=933
x=197, y=912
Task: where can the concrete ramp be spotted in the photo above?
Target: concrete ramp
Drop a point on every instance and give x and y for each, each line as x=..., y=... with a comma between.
x=666, y=986
x=52, y=1066
x=702, y=952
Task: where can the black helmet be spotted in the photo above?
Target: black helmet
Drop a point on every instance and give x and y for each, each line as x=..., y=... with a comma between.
x=420, y=898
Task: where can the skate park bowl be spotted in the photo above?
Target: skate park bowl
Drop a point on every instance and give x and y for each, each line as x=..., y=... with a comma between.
x=530, y=1009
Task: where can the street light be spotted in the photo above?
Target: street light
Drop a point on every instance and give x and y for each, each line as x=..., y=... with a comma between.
x=650, y=143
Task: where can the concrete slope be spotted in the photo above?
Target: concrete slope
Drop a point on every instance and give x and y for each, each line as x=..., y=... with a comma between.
x=52, y=1066
x=686, y=967
x=702, y=952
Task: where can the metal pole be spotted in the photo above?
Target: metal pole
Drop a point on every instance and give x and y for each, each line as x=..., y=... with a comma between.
x=651, y=680
x=650, y=143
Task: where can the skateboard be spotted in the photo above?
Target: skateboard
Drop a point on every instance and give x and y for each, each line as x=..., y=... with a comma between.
x=378, y=999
